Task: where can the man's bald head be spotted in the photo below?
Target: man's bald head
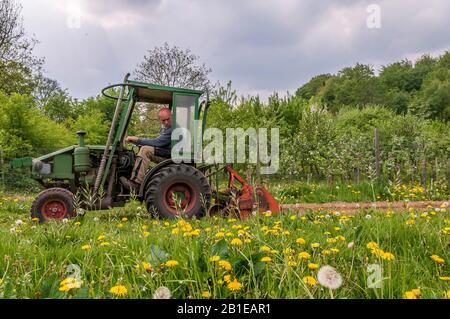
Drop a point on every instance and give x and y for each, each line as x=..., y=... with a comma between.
x=165, y=117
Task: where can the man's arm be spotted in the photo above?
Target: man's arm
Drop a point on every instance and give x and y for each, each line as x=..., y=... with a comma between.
x=163, y=140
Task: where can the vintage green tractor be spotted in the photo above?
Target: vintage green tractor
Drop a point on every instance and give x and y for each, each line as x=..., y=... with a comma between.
x=172, y=188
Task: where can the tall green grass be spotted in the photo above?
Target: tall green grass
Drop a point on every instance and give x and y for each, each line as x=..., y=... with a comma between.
x=36, y=258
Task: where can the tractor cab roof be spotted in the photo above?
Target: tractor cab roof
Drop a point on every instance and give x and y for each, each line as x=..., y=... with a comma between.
x=153, y=93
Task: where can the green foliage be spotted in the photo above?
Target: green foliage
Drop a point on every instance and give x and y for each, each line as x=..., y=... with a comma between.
x=25, y=131
x=94, y=124
x=59, y=107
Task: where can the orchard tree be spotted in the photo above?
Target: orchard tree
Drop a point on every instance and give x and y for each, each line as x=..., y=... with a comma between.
x=173, y=66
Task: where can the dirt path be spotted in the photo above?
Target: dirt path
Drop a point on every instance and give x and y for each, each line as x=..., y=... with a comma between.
x=354, y=207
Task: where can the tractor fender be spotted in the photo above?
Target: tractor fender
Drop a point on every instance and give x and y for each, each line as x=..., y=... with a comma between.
x=155, y=170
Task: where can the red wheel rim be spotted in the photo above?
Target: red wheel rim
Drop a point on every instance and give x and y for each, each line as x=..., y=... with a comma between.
x=184, y=195
x=54, y=209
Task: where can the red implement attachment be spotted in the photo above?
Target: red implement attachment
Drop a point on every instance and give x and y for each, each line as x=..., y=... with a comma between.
x=249, y=200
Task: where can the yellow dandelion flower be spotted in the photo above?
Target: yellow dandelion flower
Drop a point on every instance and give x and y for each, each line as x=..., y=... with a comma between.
x=310, y=281
x=220, y=234
x=35, y=219
x=77, y=223
x=147, y=266
x=225, y=265
x=445, y=278
x=214, y=258
x=206, y=294
x=300, y=241
x=227, y=278
x=448, y=294
x=372, y=245
x=120, y=225
x=438, y=259
x=409, y=295
x=315, y=245
x=119, y=290
x=247, y=241
x=101, y=237
x=304, y=255
x=171, y=263
x=266, y=259
x=105, y=243
x=416, y=291
x=292, y=263
x=326, y=252
x=288, y=251
x=146, y=234
x=124, y=219
x=267, y=214
x=236, y=242
x=388, y=256
x=235, y=285
x=70, y=283
x=195, y=232
x=86, y=247
x=313, y=266
x=265, y=249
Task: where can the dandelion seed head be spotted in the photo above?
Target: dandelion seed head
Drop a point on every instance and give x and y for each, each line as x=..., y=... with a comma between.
x=329, y=277
x=162, y=293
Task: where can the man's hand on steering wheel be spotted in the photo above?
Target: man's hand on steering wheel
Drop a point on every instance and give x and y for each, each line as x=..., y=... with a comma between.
x=132, y=139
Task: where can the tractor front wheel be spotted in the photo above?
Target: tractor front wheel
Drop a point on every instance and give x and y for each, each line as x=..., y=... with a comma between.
x=53, y=203
x=178, y=190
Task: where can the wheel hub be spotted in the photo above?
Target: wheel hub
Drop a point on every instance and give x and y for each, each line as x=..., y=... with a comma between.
x=54, y=209
x=179, y=197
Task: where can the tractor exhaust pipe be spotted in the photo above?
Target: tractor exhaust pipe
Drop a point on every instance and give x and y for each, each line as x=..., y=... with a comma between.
x=110, y=137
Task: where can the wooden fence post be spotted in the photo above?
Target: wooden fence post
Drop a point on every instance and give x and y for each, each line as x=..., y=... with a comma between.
x=2, y=167
x=377, y=152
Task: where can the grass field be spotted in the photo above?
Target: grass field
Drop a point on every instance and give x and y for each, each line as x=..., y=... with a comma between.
x=123, y=253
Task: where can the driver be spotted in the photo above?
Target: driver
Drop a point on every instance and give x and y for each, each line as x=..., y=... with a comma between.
x=153, y=150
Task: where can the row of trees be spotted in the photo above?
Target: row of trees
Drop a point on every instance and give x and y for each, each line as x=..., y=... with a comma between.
x=421, y=88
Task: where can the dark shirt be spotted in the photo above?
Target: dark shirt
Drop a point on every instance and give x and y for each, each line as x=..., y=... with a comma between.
x=162, y=143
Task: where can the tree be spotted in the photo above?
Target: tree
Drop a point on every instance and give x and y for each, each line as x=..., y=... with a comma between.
x=14, y=44
x=93, y=123
x=173, y=66
x=20, y=71
x=313, y=87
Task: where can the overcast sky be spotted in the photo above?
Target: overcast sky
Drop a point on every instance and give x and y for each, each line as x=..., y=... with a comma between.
x=262, y=46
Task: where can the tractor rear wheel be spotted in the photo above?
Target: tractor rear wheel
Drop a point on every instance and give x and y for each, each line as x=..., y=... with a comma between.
x=178, y=190
x=53, y=203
